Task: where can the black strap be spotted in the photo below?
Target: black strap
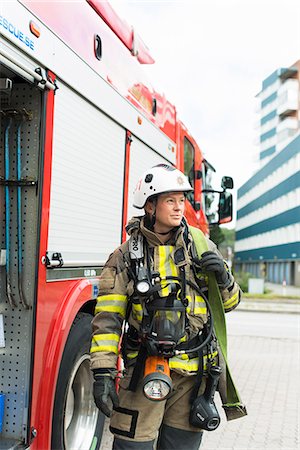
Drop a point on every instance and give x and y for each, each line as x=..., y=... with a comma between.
x=123, y=348
x=138, y=368
x=182, y=293
x=185, y=232
x=199, y=376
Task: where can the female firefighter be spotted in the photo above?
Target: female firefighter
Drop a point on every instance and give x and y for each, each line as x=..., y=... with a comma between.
x=153, y=292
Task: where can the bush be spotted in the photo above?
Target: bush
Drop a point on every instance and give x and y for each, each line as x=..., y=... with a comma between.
x=242, y=279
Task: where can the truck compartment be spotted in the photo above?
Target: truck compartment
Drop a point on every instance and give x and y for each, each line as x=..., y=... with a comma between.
x=21, y=111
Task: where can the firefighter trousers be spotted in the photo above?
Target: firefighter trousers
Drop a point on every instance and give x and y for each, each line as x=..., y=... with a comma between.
x=168, y=439
x=140, y=421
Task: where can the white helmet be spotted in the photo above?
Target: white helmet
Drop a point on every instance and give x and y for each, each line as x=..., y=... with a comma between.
x=158, y=180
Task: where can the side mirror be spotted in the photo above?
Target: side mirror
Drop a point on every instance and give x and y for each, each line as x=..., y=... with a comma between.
x=197, y=206
x=225, y=207
x=227, y=183
x=198, y=174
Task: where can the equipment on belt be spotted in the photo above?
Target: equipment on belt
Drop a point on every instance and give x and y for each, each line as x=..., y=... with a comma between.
x=204, y=413
x=157, y=383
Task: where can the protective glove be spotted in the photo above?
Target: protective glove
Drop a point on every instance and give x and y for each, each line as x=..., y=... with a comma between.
x=211, y=262
x=105, y=394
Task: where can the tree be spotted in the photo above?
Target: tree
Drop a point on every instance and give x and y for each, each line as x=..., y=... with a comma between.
x=224, y=238
x=216, y=234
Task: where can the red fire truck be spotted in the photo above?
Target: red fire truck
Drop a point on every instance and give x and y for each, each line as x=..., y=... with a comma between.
x=79, y=123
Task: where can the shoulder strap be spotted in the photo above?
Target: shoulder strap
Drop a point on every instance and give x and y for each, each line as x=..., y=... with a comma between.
x=136, y=247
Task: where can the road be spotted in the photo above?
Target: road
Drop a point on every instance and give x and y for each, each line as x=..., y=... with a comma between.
x=264, y=359
x=262, y=324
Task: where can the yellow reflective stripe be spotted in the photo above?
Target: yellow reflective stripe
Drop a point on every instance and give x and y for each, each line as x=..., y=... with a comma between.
x=200, y=306
x=232, y=301
x=107, y=342
x=200, y=310
x=162, y=259
x=106, y=337
x=109, y=297
x=162, y=268
x=114, y=303
x=182, y=362
x=166, y=268
x=190, y=365
x=104, y=348
x=137, y=312
x=114, y=309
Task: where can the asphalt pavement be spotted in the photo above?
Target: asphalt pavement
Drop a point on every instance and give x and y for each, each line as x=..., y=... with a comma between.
x=264, y=344
x=264, y=360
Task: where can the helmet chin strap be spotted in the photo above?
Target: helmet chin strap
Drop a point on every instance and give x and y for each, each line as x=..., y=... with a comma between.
x=150, y=222
x=150, y=219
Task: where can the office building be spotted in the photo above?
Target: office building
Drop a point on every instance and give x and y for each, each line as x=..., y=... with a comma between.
x=268, y=207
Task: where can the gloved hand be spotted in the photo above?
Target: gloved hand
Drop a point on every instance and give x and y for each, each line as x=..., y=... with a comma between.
x=211, y=262
x=105, y=394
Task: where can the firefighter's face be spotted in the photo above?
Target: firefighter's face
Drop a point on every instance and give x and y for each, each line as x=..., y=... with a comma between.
x=169, y=211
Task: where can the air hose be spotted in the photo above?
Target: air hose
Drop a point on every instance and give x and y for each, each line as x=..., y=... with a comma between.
x=211, y=322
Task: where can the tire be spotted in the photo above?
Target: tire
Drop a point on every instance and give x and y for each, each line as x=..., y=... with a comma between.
x=77, y=423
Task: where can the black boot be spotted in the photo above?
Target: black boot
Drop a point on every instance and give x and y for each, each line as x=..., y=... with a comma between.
x=175, y=439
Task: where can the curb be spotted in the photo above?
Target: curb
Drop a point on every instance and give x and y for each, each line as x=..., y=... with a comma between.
x=275, y=307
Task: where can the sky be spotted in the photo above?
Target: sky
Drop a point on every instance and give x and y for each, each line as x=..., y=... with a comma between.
x=210, y=60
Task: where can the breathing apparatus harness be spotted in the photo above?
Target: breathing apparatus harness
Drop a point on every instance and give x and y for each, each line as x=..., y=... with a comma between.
x=164, y=318
x=159, y=336
x=164, y=323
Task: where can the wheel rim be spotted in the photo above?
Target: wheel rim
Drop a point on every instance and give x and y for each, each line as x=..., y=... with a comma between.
x=81, y=413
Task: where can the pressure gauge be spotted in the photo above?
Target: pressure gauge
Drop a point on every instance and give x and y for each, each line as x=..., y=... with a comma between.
x=143, y=286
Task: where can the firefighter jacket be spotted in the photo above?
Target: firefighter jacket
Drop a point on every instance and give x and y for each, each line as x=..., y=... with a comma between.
x=117, y=288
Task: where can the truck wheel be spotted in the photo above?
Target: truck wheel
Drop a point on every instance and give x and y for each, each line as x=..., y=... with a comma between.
x=77, y=423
